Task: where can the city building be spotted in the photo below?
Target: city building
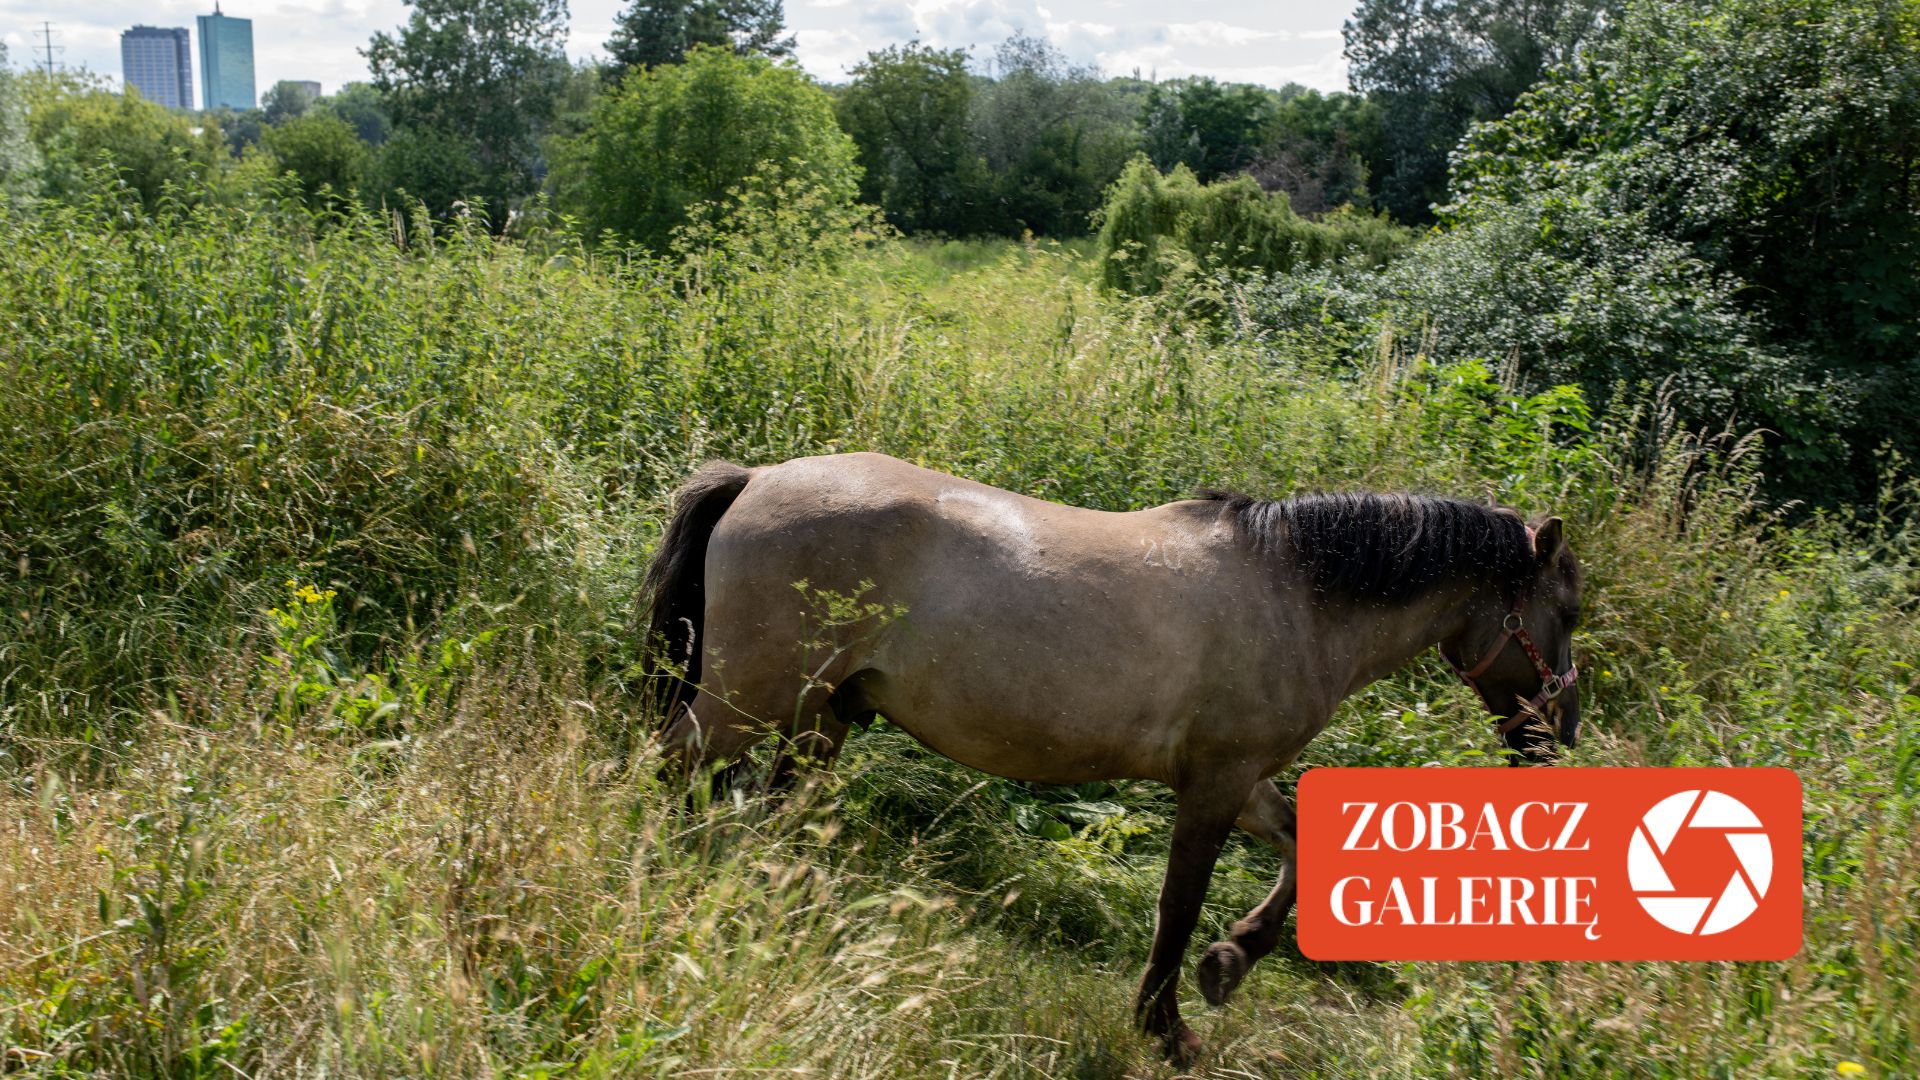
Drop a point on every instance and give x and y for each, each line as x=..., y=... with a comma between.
x=226, y=60
x=307, y=87
x=156, y=61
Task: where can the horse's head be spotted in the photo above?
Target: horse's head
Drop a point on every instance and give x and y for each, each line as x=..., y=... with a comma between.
x=1521, y=649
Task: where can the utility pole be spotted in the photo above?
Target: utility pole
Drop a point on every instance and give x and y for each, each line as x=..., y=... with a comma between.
x=47, y=46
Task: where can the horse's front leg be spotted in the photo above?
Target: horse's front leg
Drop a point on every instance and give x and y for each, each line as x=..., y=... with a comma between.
x=1200, y=827
x=1268, y=815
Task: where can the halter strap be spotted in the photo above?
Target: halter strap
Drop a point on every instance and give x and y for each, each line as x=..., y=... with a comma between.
x=1514, y=628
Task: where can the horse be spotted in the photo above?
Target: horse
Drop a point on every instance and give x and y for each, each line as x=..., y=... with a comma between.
x=1200, y=644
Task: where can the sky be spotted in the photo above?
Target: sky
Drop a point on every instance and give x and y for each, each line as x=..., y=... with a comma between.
x=1272, y=42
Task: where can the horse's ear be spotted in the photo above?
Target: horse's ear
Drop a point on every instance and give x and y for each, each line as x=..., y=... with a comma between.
x=1549, y=539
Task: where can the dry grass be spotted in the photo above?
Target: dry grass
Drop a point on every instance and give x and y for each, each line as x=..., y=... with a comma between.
x=498, y=897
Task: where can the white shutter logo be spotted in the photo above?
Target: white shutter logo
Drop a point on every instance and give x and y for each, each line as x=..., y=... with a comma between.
x=1715, y=812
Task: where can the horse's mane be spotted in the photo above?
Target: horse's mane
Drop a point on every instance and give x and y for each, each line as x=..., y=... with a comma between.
x=1385, y=547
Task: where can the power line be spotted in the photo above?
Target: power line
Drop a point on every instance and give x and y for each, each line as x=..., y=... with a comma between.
x=47, y=46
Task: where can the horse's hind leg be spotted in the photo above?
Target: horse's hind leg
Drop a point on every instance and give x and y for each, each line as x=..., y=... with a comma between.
x=709, y=731
x=1199, y=829
x=812, y=744
x=1269, y=816
x=716, y=730
x=815, y=738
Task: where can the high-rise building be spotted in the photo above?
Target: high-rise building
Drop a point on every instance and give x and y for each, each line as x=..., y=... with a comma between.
x=155, y=60
x=226, y=60
x=308, y=87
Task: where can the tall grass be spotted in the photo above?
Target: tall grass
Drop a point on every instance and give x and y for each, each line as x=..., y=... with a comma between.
x=411, y=828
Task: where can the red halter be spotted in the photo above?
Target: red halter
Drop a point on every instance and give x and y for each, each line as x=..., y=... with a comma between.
x=1512, y=628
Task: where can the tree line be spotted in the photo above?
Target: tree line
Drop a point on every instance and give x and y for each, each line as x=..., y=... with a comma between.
x=477, y=104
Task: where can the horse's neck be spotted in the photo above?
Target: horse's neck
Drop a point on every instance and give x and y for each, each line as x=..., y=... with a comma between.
x=1382, y=639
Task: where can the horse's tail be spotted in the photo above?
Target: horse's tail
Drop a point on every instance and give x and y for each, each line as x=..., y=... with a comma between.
x=674, y=591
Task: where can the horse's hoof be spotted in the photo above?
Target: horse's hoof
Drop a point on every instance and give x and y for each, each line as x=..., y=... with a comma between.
x=1222, y=967
x=1183, y=1047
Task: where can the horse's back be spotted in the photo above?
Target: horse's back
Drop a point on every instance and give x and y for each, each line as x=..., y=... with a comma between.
x=1086, y=637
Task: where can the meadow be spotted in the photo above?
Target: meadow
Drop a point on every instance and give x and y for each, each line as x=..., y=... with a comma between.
x=320, y=745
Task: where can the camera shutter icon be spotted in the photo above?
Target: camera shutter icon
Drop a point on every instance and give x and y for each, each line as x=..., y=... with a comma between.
x=1712, y=811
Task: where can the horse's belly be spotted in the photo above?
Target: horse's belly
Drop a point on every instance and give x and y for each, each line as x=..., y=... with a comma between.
x=1060, y=708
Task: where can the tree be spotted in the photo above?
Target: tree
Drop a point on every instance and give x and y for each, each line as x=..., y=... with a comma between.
x=436, y=167
x=285, y=101
x=655, y=32
x=19, y=158
x=240, y=128
x=1213, y=129
x=78, y=125
x=1779, y=141
x=694, y=132
x=907, y=111
x=1438, y=66
x=362, y=107
x=1053, y=136
x=322, y=151
x=487, y=73
x=1320, y=148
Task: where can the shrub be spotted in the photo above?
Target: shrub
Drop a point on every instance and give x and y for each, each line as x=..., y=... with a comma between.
x=1160, y=229
x=322, y=150
x=1565, y=293
x=433, y=166
x=1774, y=140
x=77, y=126
x=675, y=136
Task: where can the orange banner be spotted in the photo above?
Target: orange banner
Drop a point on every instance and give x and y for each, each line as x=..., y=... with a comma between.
x=1549, y=864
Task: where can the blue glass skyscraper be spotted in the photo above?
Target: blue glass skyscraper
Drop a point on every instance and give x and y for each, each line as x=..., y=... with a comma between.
x=226, y=60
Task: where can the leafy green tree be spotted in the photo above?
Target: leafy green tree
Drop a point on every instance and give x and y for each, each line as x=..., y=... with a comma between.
x=322, y=151
x=1053, y=135
x=654, y=32
x=1438, y=66
x=694, y=132
x=1320, y=148
x=908, y=112
x=362, y=107
x=1212, y=128
x=241, y=129
x=436, y=167
x=19, y=158
x=285, y=101
x=77, y=125
x=488, y=73
x=1779, y=141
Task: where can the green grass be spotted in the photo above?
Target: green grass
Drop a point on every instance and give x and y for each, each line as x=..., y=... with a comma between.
x=412, y=829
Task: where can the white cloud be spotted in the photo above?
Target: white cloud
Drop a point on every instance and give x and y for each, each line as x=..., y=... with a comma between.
x=1213, y=34
x=827, y=54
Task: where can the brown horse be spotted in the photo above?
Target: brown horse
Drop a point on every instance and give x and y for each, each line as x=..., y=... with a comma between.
x=1200, y=644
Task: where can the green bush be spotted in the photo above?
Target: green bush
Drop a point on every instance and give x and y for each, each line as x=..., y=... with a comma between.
x=1158, y=229
x=322, y=150
x=77, y=127
x=1773, y=141
x=671, y=137
x=428, y=165
x=1566, y=293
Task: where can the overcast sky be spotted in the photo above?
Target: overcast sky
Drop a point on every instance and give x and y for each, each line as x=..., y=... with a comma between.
x=1271, y=42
